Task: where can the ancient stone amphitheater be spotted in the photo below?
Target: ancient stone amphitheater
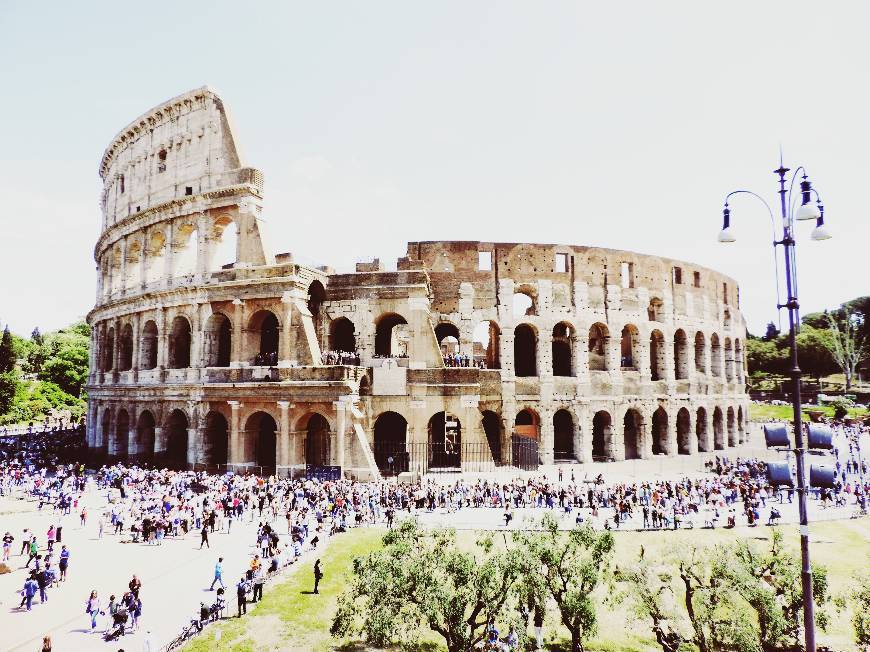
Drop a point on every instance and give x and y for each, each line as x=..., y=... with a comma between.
x=209, y=349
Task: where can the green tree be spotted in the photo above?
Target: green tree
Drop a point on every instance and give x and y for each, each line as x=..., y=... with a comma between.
x=651, y=590
x=422, y=577
x=814, y=352
x=847, y=343
x=7, y=352
x=859, y=597
x=766, y=356
x=571, y=565
x=8, y=390
x=66, y=362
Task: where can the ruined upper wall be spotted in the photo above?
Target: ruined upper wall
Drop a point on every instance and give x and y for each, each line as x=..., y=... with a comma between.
x=181, y=147
x=451, y=263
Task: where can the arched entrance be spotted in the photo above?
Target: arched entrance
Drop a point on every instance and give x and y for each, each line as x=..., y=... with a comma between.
x=493, y=430
x=217, y=341
x=317, y=441
x=629, y=347
x=260, y=433
x=216, y=439
x=601, y=434
x=563, y=436
x=732, y=427
x=632, y=436
x=122, y=435
x=341, y=335
x=718, y=430
x=701, y=430
x=176, y=440
x=486, y=345
x=179, y=343
x=700, y=353
x=109, y=350
x=525, y=351
x=563, y=333
x=657, y=355
x=527, y=424
x=660, y=432
x=445, y=441
x=106, y=430
x=684, y=432
x=388, y=340
x=742, y=437
x=599, y=338
x=391, y=451
x=145, y=436
x=316, y=297
x=125, y=345
x=264, y=327
x=148, y=355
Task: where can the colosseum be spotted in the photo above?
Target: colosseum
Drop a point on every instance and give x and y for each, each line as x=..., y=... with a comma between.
x=209, y=350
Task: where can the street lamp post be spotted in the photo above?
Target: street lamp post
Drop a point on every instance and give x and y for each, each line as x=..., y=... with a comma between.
x=806, y=211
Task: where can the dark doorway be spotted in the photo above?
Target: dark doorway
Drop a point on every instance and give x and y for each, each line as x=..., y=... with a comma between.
x=563, y=436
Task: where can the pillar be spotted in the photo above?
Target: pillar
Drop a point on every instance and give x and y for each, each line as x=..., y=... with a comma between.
x=340, y=429
x=548, y=443
x=672, y=431
x=133, y=437
x=143, y=269
x=116, y=350
x=235, y=449
x=194, y=435
x=123, y=286
x=643, y=365
x=506, y=343
x=580, y=356
x=283, y=454
x=237, y=335
x=544, y=354
x=137, y=336
x=168, y=253
x=162, y=339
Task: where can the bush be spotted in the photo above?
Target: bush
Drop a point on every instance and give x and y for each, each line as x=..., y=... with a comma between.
x=841, y=407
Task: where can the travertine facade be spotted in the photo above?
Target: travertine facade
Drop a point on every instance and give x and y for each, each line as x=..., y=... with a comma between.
x=209, y=349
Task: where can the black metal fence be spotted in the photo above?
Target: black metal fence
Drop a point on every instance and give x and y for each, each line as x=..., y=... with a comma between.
x=394, y=458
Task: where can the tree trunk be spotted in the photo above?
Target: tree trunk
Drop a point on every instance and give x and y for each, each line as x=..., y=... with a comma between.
x=576, y=641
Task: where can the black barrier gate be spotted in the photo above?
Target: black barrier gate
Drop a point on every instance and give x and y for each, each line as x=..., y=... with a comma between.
x=524, y=453
x=394, y=458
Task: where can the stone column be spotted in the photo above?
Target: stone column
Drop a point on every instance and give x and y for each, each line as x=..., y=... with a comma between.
x=159, y=442
x=203, y=246
x=100, y=279
x=670, y=362
x=642, y=364
x=196, y=363
x=168, y=253
x=544, y=354
x=340, y=430
x=134, y=367
x=506, y=343
x=672, y=431
x=287, y=355
x=580, y=356
x=235, y=452
x=162, y=339
x=284, y=437
x=116, y=350
x=133, y=442
x=193, y=438
x=645, y=437
x=582, y=434
x=123, y=287
x=547, y=436
x=617, y=437
x=238, y=335
x=143, y=269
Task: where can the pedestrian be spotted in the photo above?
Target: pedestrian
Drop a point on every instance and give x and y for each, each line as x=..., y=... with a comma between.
x=46, y=644
x=92, y=608
x=204, y=533
x=259, y=580
x=148, y=643
x=100, y=525
x=242, y=596
x=64, y=563
x=134, y=586
x=318, y=575
x=218, y=574
x=42, y=580
x=538, y=623
x=7, y=545
x=27, y=593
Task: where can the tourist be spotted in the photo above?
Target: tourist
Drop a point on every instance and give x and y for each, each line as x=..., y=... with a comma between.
x=63, y=564
x=242, y=589
x=92, y=608
x=218, y=574
x=318, y=575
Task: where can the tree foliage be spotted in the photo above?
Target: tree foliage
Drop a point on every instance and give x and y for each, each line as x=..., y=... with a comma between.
x=7, y=352
x=422, y=577
x=848, y=343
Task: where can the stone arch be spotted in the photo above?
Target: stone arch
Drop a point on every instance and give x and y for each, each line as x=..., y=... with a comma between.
x=342, y=335
x=225, y=243
x=655, y=309
x=632, y=424
x=491, y=423
x=602, y=432
x=365, y=386
x=599, y=345
x=176, y=439
x=216, y=439
x=715, y=356
x=217, y=341
x=185, y=247
x=718, y=429
x=179, y=343
x=125, y=348
x=684, y=432
x=523, y=302
x=390, y=437
x=445, y=441
x=155, y=247
x=261, y=430
x=264, y=329
x=701, y=430
x=109, y=350
x=121, y=440
x=700, y=353
x=656, y=355
x=681, y=355
x=527, y=423
x=660, y=444
x=447, y=335
x=387, y=342
x=629, y=351
x=317, y=440
x=732, y=426
x=563, y=435
x=148, y=346
x=145, y=436
x=486, y=344
x=525, y=350
x=316, y=297
x=563, y=334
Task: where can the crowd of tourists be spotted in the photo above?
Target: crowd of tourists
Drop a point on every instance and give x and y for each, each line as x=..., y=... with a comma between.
x=457, y=359
x=340, y=358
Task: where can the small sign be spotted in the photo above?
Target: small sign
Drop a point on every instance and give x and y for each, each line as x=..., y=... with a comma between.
x=322, y=473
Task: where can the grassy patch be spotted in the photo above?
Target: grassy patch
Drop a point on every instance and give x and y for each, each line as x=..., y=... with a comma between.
x=765, y=412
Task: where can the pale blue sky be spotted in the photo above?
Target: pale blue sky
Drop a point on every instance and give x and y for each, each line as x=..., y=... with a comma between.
x=612, y=124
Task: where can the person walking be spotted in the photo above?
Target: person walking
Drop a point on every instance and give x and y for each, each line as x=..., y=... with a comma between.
x=318, y=575
x=92, y=608
x=259, y=580
x=63, y=564
x=218, y=574
x=46, y=644
x=242, y=596
x=204, y=533
x=29, y=590
x=134, y=586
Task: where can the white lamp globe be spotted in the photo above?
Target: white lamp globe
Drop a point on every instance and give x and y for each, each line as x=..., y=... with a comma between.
x=726, y=235
x=809, y=211
x=820, y=233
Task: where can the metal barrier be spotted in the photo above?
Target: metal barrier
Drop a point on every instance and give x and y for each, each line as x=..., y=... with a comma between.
x=394, y=458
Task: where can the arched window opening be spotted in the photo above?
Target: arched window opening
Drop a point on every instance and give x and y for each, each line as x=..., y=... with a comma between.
x=145, y=436
x=632, y=436
x=265, y=330
x=161, y=161
x=684, y=432
x=122, y=436
x=341, y=335
x=217, y=341
x=660, y=432
x=527, y=424
x=701, y=430
x=700, y=353
x=184, y=250
x=125, y=352
x=134, y=252
x=732, y=427
x=681, y=355
x=657, y=355
x=225, y=240
x=563, y=334
x=445, y=441
x=601, y=435
x=391, y=336
x=148, y=354
x=179, y=343
x=155, y=249
x=492, y=428
x=216, y=439
x=715, y=356
x=726, y=317
x=316, y=297
x=262, y=429
x=523, y=303
x=629, y=348
x=448, y=341
x=109, y=350
x=176, y=440
x=563, y=435
x=486, y=345
x=599, y=338
x=718, y=430
x=317, y=441
x=391, y=451
x=655, y=309
x=525, y=351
